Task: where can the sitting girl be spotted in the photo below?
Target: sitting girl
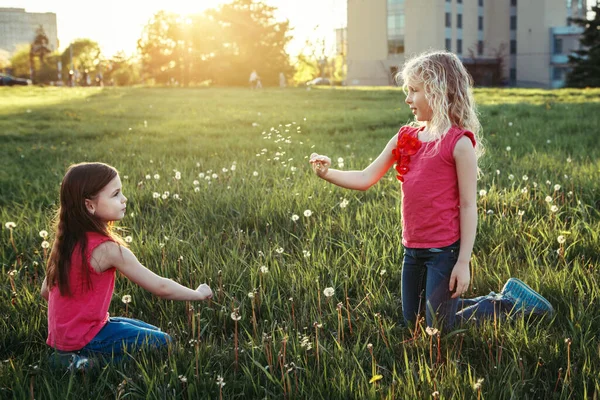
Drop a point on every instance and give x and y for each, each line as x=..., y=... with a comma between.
x=80, y=277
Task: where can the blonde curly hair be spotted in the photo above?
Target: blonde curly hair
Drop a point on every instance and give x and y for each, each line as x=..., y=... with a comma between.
x=448, y=90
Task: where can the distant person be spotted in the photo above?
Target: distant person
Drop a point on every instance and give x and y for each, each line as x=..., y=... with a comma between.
x=86, y=78
x=71, y=78
x=282, y=81
x=99, y=81
x=254, y=80
x=81, y=271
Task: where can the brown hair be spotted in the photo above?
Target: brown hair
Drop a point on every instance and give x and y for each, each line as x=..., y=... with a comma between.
x=72, y=221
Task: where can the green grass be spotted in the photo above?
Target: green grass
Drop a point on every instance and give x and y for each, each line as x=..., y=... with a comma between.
x=238, y=222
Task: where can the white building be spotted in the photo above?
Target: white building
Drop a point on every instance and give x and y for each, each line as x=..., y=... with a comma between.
x=19, y=27
x=533, y=38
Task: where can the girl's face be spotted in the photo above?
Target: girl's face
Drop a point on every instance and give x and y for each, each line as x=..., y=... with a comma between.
x=109, y=204
x=418, y=103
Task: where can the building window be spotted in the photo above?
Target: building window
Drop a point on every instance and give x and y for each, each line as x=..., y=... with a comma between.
x=449, y=44
x=395, y=26
x=513, y=75
x=480, y=23
x=448, y=20
x=458, y=46
x=513, y=3
x=558, y=45
x=480, y=47
x=513, y=22
x=513, y=47
x=480, y=3
x=459, y=21
x=557, y=74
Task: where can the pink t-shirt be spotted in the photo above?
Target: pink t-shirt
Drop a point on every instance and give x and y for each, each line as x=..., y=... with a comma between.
x=74, y=320
x=430, y=197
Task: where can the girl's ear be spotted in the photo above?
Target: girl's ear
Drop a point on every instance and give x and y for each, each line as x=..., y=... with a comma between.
x=90, y=206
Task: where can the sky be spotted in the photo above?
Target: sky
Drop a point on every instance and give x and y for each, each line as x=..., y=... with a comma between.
x=117, y=24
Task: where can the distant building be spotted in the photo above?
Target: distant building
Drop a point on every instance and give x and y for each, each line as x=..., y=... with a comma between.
x=524, y=42
x=18, y=27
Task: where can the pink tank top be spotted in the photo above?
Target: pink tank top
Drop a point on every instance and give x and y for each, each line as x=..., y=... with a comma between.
x=74, y=321
x=430, y=197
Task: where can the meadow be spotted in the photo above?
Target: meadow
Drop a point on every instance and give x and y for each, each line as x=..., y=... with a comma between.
x=306, y=275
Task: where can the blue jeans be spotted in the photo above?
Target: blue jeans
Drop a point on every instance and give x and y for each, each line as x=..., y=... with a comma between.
x=121, y=335
x=425, y=281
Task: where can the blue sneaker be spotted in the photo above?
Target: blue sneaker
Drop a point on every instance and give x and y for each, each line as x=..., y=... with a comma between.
x=525, y=298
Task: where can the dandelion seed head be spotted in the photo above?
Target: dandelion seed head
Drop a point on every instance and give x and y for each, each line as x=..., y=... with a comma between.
x=10, y=225
x=128, y=239
x=329, y=291
x=43, y=234
x=561, y=239
x=126, y=299
x=307, y=213
x=45, y=244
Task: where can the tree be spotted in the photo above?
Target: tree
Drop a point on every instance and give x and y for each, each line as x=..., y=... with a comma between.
x=157, y=47
x=251, y=40
x=86, y=55
x=39, y=48
x=220, y=45
x=586, y=62
x=20, y=62
x=121, y=70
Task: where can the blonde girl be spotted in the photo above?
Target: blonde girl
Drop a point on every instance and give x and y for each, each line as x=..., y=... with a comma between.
x=435, y=158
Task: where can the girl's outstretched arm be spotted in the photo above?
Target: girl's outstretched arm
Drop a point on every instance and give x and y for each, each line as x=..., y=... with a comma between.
x=110, y=254
x=466, y=171
x=357, y=180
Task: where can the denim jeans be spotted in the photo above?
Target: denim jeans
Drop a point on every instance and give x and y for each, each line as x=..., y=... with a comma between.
x=121, y=335
x=425, y=281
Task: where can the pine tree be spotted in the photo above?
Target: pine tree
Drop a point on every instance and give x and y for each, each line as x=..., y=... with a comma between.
x=586, y=64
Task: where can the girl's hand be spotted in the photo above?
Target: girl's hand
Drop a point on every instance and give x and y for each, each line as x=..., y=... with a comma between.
x=205, y=292
x=320, y=164
x=459, y=279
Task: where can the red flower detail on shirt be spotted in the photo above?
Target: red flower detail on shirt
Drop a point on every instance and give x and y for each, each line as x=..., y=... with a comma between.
x=408, y=145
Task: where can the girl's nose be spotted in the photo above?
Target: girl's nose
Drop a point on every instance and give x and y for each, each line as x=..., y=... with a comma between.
x=124, y=200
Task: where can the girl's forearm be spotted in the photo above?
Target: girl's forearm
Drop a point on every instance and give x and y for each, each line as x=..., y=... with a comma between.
x=171, y=290
x=468, y=230
x=356, y=180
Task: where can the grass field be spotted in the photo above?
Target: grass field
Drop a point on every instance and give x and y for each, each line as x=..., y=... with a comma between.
x=241, y=157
